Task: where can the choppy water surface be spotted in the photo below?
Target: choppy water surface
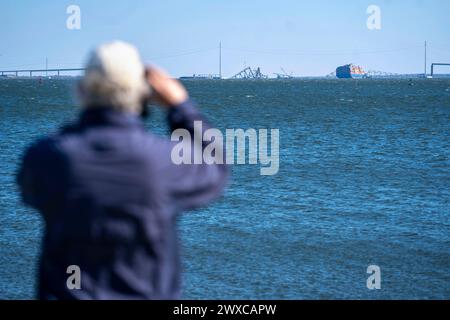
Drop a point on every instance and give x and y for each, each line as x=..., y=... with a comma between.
x=364, y=179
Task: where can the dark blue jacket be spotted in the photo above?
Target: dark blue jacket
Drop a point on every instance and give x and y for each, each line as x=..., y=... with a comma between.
x=110, y=195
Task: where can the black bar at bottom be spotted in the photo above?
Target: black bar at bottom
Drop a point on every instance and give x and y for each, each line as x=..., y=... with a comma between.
x=229, y=309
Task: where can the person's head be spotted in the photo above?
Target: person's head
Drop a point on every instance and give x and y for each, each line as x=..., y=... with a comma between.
x=115, y=78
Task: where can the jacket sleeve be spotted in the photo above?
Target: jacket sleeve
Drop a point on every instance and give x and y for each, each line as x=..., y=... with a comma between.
x=26, y=179
x=40, y=177
x=194, y=185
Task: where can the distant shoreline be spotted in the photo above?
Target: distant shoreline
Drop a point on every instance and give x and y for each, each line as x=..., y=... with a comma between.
x=402, y=77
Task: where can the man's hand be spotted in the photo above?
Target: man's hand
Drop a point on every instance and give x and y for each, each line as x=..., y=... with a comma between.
x=166, y=90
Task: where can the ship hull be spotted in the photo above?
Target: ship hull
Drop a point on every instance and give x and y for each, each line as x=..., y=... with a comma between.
x=357, y=76
x=351, y=76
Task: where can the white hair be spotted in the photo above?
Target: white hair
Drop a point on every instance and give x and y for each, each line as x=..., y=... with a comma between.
x=114, y=77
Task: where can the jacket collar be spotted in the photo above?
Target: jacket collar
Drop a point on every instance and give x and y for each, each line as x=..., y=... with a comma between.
x=106, y=116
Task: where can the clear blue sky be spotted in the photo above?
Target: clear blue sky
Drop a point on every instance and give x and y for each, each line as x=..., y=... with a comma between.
x=303, y=37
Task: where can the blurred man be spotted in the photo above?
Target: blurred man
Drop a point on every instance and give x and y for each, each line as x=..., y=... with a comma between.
x=109, y=192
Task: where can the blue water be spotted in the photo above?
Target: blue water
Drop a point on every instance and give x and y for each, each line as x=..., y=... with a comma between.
x=364, y=179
